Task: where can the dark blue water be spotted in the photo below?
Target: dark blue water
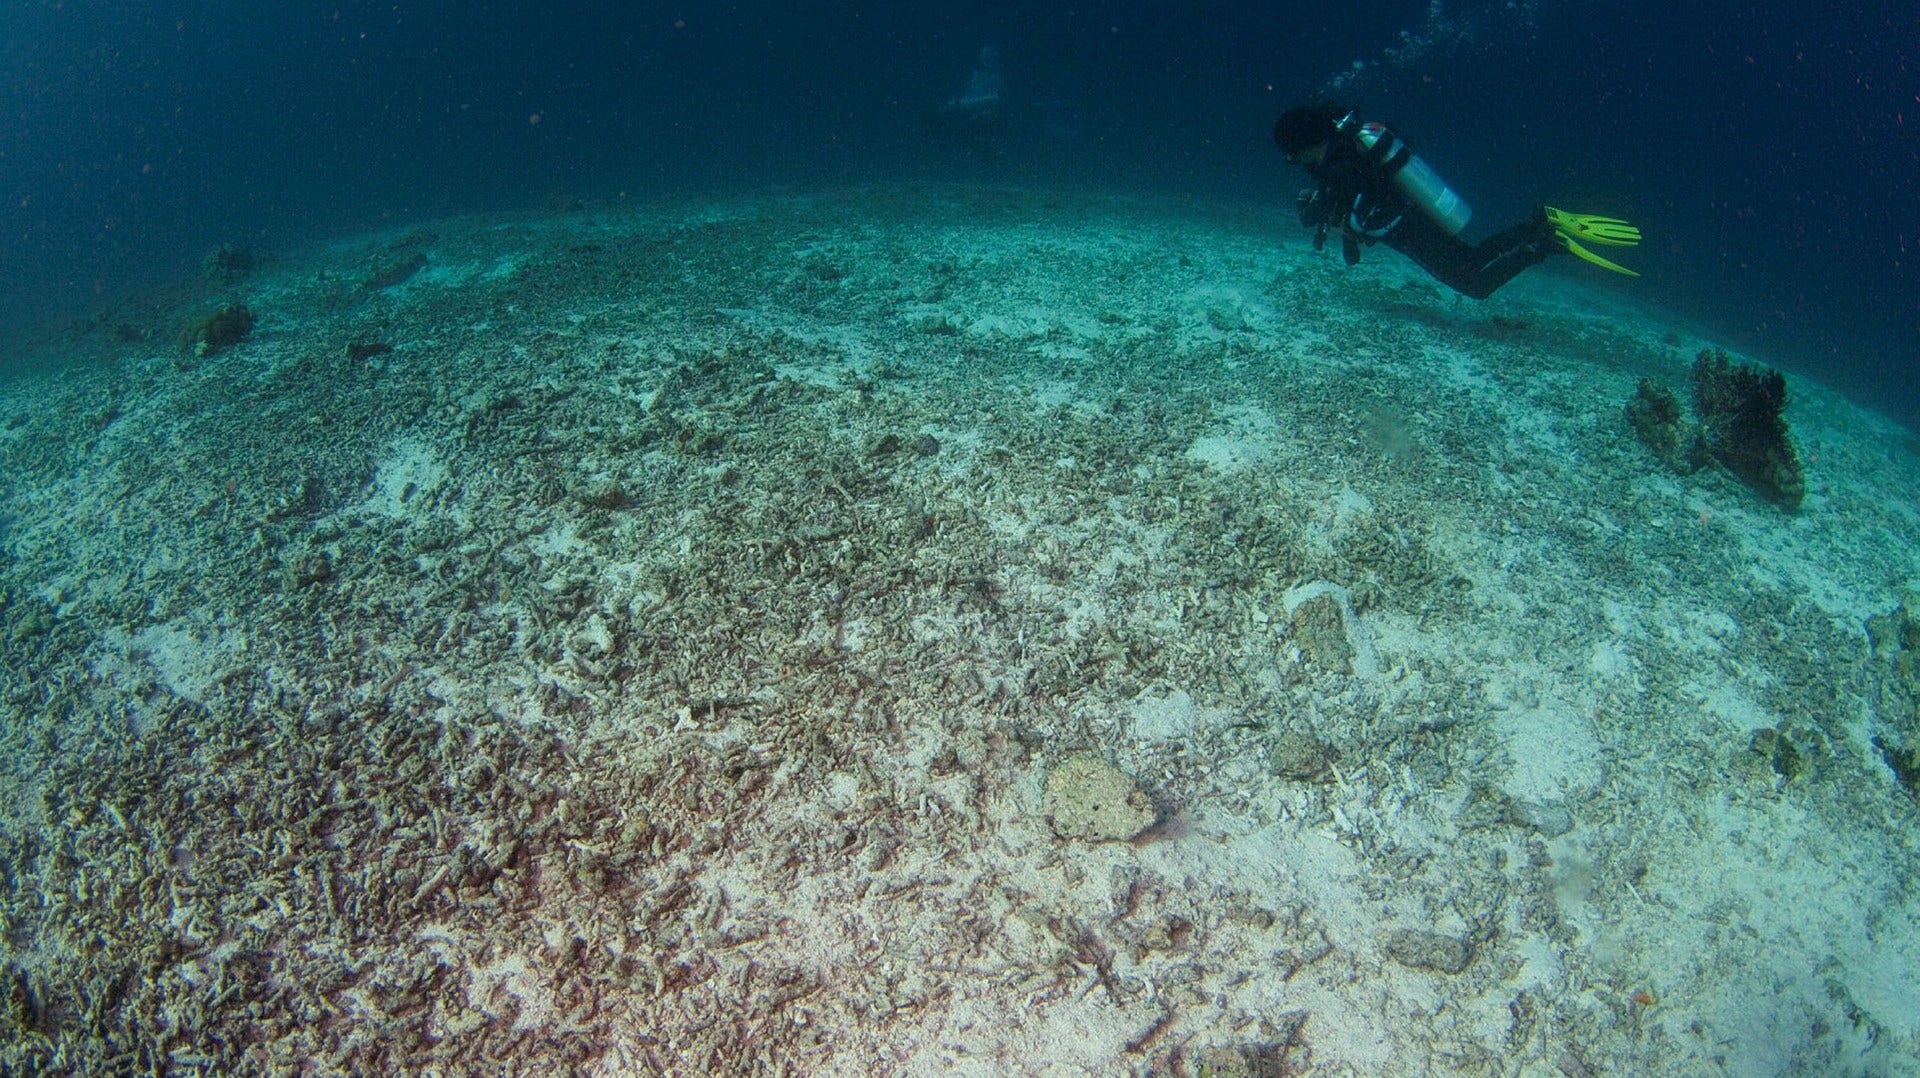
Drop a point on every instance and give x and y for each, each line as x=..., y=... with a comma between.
x=1771, y=151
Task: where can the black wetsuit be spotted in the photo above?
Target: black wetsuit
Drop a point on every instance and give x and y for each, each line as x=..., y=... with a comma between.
x=1357, y=198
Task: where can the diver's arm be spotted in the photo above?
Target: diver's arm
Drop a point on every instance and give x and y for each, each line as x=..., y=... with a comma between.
x=1340, y=180
x=1313, y=214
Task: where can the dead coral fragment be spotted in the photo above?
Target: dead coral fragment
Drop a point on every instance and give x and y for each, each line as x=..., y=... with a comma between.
x=1903, y=762
x=1285, y=1053
x=1320, y=628
x=1300, y=757
x=1895, y=664
x=1740, y=408
x=226, y=264
x=1429, y=951
x=218, y=331
x=388, y=274
x=363, y=351
x=1089, y=798
x=20, y=1007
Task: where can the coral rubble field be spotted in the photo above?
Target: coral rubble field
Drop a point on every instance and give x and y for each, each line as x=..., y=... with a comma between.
x=936, y=631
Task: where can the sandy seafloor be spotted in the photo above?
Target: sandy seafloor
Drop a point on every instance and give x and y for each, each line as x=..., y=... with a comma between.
x=654, y=664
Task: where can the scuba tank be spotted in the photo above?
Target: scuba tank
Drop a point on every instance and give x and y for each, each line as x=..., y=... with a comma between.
x=1415, y=178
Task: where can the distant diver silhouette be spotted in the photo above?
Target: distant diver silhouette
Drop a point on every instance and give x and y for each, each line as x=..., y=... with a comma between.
x=979, y=101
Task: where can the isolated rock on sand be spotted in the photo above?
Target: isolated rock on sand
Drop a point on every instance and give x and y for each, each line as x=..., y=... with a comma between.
x=1300, y=757
x=1088, y=798
x=1429, y=951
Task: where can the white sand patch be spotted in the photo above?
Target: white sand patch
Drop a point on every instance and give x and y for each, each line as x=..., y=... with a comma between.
x=1081, y=614
x=1222, y=311
x=958, y=445
x=452, y=272
x=1555, y=754
x=188, y=658
x=836, y=354
x=408, y=475
x=1173, y=717
x=511, y=987
x=1056, y=327
x=1247, y=436
x=561, y=540
x=1054, y=394
x=1730, y=703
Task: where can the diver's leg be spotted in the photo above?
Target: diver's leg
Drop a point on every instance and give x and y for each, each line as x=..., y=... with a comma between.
x=1473, y=270
x=1500, y=257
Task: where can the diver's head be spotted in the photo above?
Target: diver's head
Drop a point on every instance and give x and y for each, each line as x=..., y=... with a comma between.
x=1301, y=129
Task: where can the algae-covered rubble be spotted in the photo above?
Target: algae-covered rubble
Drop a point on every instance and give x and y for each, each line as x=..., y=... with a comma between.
x=1088, y=798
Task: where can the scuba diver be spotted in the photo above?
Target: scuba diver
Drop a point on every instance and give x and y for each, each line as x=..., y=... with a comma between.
x=978, y=103
x=992, y=115
x=977, y=120
x=1375, y=190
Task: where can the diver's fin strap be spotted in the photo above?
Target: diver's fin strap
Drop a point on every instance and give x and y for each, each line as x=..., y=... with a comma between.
x=1593, y=228
x=1581, y=252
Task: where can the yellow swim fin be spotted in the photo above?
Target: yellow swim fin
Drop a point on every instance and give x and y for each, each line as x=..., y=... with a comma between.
x=1572, y=228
